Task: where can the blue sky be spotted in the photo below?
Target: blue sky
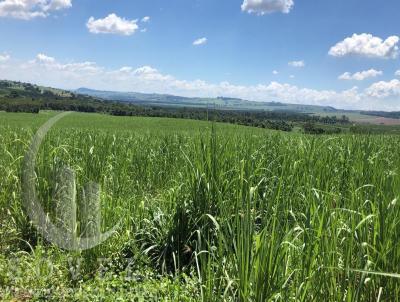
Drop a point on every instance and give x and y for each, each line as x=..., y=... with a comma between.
x=342, y=53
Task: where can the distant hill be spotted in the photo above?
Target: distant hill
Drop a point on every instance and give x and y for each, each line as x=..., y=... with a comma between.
x=14, y=89
x=219, y=102
x=26, y=97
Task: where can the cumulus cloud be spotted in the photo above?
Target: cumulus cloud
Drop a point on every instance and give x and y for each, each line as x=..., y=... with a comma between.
x=151, y=74
x=126, y=69
x=112, y=24
x=368, y=46
x=42, y=58
x=262, y=7
x=397, y=73
x=298, y=64
x=200, y=41
x=360, y=76
x=275, y=72
x=47, y=70
x=44, y=63
x=29, y=9
x=146, y=19
x=58, y=4
x=384, y=89
x=4, y=57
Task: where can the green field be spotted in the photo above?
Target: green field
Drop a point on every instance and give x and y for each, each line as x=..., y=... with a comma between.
x=113, y=124
x=208, y=212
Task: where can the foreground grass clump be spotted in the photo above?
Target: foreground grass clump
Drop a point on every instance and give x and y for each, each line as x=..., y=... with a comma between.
x=209, y=212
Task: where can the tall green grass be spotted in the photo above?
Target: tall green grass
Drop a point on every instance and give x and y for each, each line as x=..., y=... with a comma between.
x=214, y=213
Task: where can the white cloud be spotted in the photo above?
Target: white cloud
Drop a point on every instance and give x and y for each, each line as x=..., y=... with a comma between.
x=397, y=73
x=4, y=57
x=58, y=4
x=298, y=64
x=29, y=9
x=145, y=70
x=262, y=7
x=42, y=58
x=275, y=72
x=200, y=41
x=360, y=76
x=384, y=89
x=112, y=24
x=292, y=76
x=46, y=63
x=86, y=67
x=126, y=69
x=47, y=70
x=150, y=74
x=146, y=19
x=368, y=46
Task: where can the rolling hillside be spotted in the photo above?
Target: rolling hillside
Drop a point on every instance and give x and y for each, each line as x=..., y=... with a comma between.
x=219, y=102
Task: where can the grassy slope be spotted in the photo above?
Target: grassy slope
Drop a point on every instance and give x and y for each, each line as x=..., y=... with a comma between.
x=110, y=123
x=21, y=87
